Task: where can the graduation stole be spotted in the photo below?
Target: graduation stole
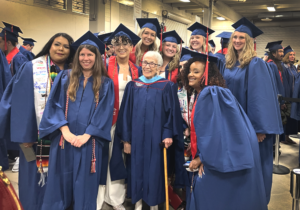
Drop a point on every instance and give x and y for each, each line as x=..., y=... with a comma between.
x=183, y=102
x=11, y=55
x=225, y=50
x=112, y=66
x=132, y=57
x=193, y=131
x=173, y=75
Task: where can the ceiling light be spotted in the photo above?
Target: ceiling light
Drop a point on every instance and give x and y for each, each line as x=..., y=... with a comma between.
x=271, y=9
x=185, y=0
x=220, y=18
x=266, y=19
x=279, y=16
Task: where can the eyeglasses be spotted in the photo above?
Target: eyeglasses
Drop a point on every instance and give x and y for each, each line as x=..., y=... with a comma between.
x=123, y=45
x=152, y=65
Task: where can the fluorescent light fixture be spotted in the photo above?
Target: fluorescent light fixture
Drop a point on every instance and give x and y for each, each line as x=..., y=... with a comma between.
x=271, y=9
x=185, y=0
x=220, y=18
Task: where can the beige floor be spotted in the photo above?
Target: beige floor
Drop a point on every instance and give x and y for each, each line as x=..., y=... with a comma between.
x=280, y=199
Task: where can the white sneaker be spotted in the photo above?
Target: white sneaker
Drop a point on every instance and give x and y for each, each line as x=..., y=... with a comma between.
x=119, y=207
x=15, y=168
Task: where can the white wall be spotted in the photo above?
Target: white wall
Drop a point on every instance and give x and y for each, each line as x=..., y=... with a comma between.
x=41, y=23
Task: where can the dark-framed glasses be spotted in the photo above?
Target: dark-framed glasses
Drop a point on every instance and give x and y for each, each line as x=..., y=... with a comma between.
x=151, y=64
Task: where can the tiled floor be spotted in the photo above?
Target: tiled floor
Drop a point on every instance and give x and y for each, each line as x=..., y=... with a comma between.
x=280, y=199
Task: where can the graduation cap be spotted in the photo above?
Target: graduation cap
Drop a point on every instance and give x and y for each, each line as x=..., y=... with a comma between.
x=124, y=31
x=225, y=36
x=186, y=54
x=14, y=29
x=104, y=37
x=172, y=36
x=288, y=49
x=96, y=34
x=89, y=39
x=212, y=43
x=151, y=23
x=244, y=25
x=199, y=29
x=28, y=41
x=273, y=46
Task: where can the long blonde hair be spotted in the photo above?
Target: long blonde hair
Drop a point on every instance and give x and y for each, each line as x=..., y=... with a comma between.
x=245, y=57
x=174, y=63
x=98, y=71
x=203, y=44
x=138, y=52
x=286, y=59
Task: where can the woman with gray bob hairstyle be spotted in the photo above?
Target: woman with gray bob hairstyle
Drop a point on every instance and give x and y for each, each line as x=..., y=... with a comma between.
x=144, y=124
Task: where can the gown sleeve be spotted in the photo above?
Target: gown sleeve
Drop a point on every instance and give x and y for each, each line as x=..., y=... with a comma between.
x=101, y=121
x=5, y=74
x=262, y=103
x=222, y=130
x=54, y=114
x=295, y=110
x=23, y=117
x=17, y=62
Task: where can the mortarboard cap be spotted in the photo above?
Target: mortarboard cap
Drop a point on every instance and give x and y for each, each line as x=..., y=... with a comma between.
x=28, y=41
x=172, y=36
x=288, y=49
x=96, y=34
x=187, y=54
x=104, y=37
x=272, y=46
x=124, y=31
x=89, y=39
x=225, y=36
x=245, y=26
x=9, y=27
x=9, y=35
x=212, y=43
x=199, y=29
x=151, y=23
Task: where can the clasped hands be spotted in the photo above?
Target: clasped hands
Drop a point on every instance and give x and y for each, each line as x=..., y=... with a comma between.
x=195, y=164
x=127, y=146
x=76, y=141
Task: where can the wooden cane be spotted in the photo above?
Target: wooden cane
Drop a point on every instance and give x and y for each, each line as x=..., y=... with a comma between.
x=166, y=178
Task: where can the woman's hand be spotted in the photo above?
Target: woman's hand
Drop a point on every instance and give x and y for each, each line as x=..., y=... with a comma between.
x=201, y=170
x=168, y=142
x=187, y=132
x=260, y=137
x=81, y=140
x=127, y=147
x=68, y=136
x=195, y=163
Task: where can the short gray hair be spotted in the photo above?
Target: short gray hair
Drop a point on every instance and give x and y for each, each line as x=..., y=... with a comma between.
x=156, y=55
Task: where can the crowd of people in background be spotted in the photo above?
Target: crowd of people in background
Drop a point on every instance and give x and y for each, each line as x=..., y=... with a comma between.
x=85, y=122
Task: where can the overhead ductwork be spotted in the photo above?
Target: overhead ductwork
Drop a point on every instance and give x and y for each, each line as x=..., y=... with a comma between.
x=273, y=15
x=177, y=18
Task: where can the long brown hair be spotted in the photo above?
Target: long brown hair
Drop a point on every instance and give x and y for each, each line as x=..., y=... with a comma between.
x=98, y=71
x=245, y=57
x=286, y=58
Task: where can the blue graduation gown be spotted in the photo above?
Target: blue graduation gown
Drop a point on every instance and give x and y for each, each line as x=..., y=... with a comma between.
x=228, y=148
x=18, y=60
x=106, y=144
x=220, y=56
x=295, y=110
x=145, y=119
x=29, y=55
x=17, y=113
x=254, y=88
x=70, y=181
x=5, y=77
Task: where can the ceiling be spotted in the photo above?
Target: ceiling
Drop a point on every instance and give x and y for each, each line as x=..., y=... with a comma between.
x=255, y=10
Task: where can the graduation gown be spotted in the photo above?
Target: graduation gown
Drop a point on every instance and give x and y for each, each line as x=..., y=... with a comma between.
x=18, y=123
x=18, y=60
x=256, y=92
x=171, y=76
x=228, y=148
x=70, y=181
x=221, y=55
x=5, y=78
x=145, y=120
x=29, y=55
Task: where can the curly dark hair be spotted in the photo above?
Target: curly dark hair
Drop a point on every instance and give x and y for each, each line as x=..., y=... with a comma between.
x=124, y=39
x=214, y=75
